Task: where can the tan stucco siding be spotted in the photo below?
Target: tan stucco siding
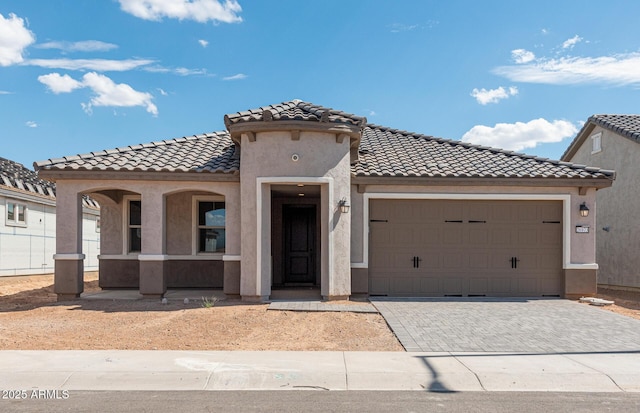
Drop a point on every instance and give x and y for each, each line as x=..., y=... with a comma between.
x=320, y=159
x=617, y=208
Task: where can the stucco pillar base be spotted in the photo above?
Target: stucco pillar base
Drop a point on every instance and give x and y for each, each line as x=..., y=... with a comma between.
x=231, y=283
x=580, y=282
x=67, y=297
x=153, y=279
x=335, y=297
x=69, y=276
x=255, y=298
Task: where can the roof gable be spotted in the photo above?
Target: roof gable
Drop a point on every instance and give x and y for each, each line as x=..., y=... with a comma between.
x=627, y=126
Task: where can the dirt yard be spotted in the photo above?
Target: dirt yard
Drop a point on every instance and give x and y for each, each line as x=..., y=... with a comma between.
x=31, y=319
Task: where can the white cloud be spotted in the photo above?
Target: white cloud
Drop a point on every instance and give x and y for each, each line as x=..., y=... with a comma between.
x=199, y=10
x=238, y=76
x=14, y=39
x=518, y=136
x=522, y=56
x=4, y=92
x=398, y=27
x=203, y=43
x=544, y=31
x=60, y=84
x=31, y=124
x=162, y=92
x=101, y=65
x=107, y=92
x=183, y=71
x=484, y=96
x=622, y=69
x=568, y=44
x=82, y=46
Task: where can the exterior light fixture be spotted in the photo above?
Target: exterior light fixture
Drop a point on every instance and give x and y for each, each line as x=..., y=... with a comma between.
x=584, y=210
x=344, y=205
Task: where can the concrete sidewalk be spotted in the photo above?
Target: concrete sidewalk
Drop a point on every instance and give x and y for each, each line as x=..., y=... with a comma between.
x=279, y=370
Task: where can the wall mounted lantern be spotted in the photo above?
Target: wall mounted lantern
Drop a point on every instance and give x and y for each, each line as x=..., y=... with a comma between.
x=584, y=210
x=344, y=205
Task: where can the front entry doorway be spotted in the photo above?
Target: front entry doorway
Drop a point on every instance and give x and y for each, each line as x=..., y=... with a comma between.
x=300, y=251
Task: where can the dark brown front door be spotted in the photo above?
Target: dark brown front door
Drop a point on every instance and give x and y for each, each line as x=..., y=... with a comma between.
x=299, y=244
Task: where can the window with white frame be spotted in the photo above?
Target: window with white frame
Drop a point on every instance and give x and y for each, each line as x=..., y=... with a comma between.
x=16, y=214
x=134, y=225
x=596, y=142
x=210, y=217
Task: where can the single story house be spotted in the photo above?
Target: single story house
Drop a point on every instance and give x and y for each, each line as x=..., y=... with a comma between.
x=299, y=195
x=612, y=141
x=28, y=226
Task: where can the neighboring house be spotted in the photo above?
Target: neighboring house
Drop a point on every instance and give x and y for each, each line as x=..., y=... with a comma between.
x=28, y=224
x=613, y=141
x=299, y=195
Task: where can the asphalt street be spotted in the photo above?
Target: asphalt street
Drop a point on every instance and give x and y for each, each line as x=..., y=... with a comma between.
x=329, y=401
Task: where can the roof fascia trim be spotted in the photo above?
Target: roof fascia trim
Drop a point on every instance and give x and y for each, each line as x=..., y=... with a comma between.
x=236, y=130
x=578, y=141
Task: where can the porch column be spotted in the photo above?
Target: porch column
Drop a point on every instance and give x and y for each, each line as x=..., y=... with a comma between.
x=69, y=259
x=152, y=257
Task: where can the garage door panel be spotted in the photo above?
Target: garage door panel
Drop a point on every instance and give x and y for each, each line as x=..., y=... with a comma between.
x=430, y=286
x=479, y=260
x=548, y=235
x=479, y=236
x=429, y=236
x=499, y=286
x=404, y=285
x=527, y=236
x=471, y=256
x=453, y=235
x=451, y=285
x=479, y=286
x=452, y=211
x=500, y=236
x=379, y=285
x=527, y=286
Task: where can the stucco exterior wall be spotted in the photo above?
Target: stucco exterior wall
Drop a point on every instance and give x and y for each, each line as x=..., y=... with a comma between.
x=320, y=159
x=618, y=226
x=165, y=237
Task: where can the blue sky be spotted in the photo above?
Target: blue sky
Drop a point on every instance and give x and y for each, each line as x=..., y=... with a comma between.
x=84, y=75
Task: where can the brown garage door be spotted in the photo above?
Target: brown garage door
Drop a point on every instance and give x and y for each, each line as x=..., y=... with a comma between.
x=467, y=248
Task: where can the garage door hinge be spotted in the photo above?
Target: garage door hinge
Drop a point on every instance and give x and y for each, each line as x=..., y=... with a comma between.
x=378, y=220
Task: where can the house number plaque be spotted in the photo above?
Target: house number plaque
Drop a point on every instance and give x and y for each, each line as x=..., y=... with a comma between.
x=582, y=229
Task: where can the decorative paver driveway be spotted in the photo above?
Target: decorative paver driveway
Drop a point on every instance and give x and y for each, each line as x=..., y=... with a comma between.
x=507, y=325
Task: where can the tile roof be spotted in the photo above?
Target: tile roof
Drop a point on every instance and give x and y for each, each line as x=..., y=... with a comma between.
x=624, y=125
x=294, y=110
x=15, y=176
x=395, y=153
x=383, y=152
x=210, y=152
